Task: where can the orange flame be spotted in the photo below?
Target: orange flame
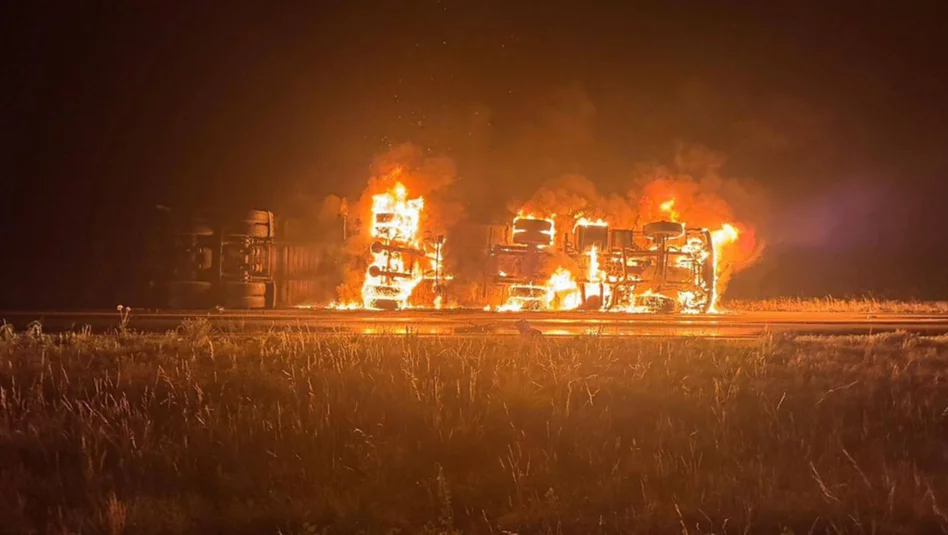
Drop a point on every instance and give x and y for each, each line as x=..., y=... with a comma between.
x=586, y=222
x=720, y=238
x=669, y=208
x=563, y=292
x=390, y=277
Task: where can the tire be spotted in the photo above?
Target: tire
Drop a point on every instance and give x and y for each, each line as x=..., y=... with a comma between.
x=664, y=229
x=254, y=224
x=205, y=259
x=249, y=229
x=258, y=216
x=538, y=225
x=189, y=294
x=532, y=237
x=246, y=302
x=238, y=290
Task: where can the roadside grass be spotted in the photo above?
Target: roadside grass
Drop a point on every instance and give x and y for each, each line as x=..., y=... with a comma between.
x=200, y=431
x=866, y=305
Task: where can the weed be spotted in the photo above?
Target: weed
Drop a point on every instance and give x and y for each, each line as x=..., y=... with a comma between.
x=299, y=433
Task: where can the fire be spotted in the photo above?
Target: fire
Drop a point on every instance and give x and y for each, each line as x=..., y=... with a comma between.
x=586, y=222
x=669, y=208
x=722, y=237
x=664, y=266
x=559, y=292
x=593, y=274
x=675, y=251
x=395, y=217
x=725, y=235
x=562, y=290
x=391, y=276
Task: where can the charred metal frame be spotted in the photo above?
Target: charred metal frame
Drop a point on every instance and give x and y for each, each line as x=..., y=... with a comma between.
x=630, y=268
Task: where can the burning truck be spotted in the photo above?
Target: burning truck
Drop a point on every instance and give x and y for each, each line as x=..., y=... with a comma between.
x=665, y=266
x=392, y=261
x=403, y=261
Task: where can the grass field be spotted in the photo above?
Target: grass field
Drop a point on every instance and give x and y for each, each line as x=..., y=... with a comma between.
x=199, y=432
x=865, y=305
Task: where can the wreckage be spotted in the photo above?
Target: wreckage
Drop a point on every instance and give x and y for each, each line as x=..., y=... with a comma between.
x=547, y=262
x=664, y=267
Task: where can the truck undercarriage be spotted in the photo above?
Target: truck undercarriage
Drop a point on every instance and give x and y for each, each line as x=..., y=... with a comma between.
x=664, y=267
x=243, y=262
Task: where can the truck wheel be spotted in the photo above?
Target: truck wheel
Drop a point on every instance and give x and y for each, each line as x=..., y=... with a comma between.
x=663, y=229
x=257, y=216
x=532, y=237
x=532, y=232
x=239, y=290
x=533, y=224
x=189, y=294
x=255, y=224
x=249, y=229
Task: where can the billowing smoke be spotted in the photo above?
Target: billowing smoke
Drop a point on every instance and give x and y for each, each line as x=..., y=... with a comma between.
x=575, y=196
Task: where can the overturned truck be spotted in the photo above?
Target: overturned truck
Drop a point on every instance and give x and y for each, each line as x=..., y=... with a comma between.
x=254, y=260
x=664, y=267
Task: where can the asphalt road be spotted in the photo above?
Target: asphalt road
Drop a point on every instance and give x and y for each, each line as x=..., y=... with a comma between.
x=478, y=323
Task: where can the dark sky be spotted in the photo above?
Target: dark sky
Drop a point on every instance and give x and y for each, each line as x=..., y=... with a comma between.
x=840, y=114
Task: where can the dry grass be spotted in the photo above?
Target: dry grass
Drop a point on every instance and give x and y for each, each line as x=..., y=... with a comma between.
x=198, y=432
x=866, y=305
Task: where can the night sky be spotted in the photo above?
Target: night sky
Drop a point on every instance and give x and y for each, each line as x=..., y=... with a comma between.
x=839, y=114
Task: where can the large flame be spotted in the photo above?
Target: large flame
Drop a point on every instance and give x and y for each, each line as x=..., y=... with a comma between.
x=395, y=223
x=593, y=271
x=668, y=207
x=562, y=291
x=721, y=238
x=553, y=271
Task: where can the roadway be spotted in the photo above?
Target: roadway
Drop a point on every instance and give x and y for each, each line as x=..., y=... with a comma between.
x=466, y=322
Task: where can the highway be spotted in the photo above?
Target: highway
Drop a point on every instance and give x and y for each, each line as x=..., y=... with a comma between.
x=732, y=324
